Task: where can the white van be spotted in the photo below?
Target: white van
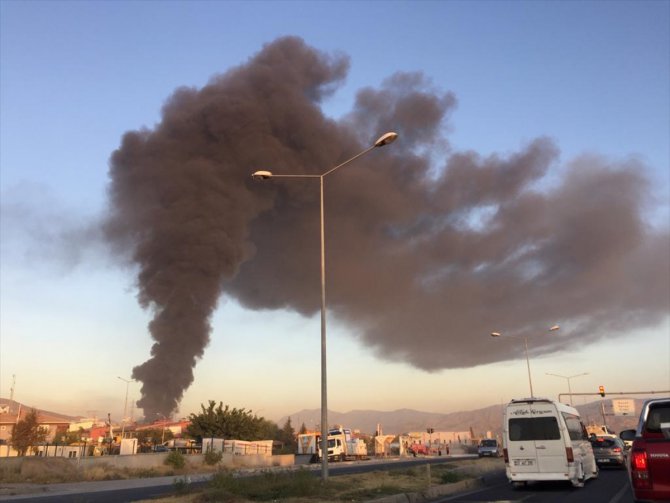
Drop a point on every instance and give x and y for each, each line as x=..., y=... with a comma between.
x=546, y=440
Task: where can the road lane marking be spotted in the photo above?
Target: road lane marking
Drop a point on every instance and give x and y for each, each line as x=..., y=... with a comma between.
x=619, y=495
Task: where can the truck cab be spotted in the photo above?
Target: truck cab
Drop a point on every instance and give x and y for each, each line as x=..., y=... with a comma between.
x=342, y=446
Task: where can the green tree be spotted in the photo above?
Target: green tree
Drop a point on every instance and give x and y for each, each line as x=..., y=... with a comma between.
x=73, y=437
x=303, y=429
x=267, y=430
x=287, y=437
x=28, y=433
x=240, y=424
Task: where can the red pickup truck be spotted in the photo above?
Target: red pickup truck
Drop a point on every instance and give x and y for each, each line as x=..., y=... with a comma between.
x=649, y=456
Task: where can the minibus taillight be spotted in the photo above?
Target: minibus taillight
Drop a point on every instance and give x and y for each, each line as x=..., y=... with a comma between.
x=569, y=454
x=505, y=456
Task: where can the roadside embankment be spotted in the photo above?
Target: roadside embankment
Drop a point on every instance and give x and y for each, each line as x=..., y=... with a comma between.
x=475, y=474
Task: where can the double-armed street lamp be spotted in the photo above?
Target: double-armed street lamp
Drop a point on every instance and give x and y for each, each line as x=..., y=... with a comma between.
x=568, y=379
x=383, y=140
x=525, y=344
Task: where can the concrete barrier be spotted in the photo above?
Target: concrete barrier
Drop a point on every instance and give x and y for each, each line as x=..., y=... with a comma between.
x=152, y=460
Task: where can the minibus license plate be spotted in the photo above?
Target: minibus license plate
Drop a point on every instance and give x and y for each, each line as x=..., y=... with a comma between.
x=524, y=462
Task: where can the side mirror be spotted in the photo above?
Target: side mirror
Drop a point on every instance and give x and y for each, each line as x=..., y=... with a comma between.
x=627, y=435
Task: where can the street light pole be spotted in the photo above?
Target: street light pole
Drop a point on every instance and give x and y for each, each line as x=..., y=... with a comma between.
x=125, y=405
x=324, y=363
x=383, y=140
x=525, y=345
x=568, y=379
x=530, y=381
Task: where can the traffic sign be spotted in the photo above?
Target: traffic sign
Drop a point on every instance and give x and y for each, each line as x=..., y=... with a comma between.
x=623, y=407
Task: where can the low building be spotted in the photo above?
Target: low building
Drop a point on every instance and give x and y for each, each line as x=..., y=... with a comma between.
x=12, y=412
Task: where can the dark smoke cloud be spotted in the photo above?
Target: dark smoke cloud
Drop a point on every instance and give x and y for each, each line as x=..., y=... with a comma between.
x=424, y=260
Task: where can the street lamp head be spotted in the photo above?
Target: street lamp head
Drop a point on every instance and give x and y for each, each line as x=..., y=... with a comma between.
x=495, y=334
x=386, y=138
x=261, y=175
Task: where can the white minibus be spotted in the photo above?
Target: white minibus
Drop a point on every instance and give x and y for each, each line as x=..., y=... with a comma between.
x=546, y=440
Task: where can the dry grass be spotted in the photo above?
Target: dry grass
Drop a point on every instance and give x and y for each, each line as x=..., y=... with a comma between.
x=36, y=470
x=350, y=488
x=295, y=486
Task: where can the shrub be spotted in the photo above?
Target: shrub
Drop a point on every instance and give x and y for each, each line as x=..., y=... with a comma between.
x=450, y=477
x=213, y=457
x=143, y=473
x=175, y=459
x=182, y=485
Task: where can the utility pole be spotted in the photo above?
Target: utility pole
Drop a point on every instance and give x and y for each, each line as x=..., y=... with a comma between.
x=111, y=431
x=602, y=411
x=11, y=390
x=125, y=405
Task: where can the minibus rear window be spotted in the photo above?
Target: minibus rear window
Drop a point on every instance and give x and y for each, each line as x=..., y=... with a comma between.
x=534, y=428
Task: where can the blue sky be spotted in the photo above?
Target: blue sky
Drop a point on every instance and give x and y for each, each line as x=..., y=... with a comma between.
x=593, y=76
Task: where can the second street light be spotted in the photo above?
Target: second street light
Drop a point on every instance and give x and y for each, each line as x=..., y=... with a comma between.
x=525, y=344
x=125, y=405
x=383, y=140
x=568, y=379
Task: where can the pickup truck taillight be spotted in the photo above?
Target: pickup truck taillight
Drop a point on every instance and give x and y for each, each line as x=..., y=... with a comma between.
x=639, y=469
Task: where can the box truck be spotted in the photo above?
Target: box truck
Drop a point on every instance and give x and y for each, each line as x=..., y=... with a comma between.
x=341, y=445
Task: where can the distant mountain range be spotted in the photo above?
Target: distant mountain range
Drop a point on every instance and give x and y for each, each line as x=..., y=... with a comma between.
x=400, y=421
x=479, y=420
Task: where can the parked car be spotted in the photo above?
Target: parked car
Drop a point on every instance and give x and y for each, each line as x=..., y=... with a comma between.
x=489, y=447
x=609, y=451
x=649, y=464
x=418, y=449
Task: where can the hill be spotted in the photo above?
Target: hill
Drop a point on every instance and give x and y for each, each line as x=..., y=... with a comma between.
x=480, y=420
x=402, y=420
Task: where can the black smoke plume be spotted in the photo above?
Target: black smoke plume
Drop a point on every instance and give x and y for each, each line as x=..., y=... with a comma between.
x=425, y=257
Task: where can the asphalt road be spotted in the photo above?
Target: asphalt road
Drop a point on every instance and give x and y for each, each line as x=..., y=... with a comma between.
x=611, y=486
